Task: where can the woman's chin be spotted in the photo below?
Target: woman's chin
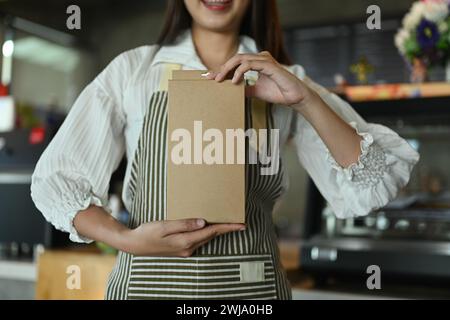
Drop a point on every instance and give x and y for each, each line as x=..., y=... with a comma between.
x=217, y=26
x=217, y=15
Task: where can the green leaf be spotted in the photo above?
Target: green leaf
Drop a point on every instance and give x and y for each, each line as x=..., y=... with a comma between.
x=412, y=47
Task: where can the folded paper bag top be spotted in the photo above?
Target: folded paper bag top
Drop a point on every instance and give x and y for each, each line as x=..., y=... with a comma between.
x=195, y=187
x=189, y=75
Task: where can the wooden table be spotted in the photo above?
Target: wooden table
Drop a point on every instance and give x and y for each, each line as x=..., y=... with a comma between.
x=73, y=275
x=290, y=259
x=60, y=270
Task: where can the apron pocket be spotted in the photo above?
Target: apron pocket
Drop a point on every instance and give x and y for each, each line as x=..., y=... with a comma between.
x=202, y=277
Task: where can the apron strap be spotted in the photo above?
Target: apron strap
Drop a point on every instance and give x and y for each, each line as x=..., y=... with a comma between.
x=167, y=75
x=260, y=111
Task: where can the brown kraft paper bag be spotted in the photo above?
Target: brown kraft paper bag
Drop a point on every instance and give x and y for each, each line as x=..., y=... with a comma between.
x=205, y=179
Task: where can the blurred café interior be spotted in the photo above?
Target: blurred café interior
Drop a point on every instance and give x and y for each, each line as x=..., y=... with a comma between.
x=384, y=73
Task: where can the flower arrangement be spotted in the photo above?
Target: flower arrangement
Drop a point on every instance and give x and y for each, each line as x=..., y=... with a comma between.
x=425, y=33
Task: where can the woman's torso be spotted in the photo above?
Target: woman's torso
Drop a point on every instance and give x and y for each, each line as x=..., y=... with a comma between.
x=242, y=264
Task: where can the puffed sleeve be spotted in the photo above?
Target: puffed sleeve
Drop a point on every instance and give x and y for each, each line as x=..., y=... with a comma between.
x=75, y=169
x=384, y=165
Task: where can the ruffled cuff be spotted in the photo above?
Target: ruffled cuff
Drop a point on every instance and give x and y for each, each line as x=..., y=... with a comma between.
x=384, y=166
x=61, y=198
x=74, y=202
x=371, y=164
x=83, y=203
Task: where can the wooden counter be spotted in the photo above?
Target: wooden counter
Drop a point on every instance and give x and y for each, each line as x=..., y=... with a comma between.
x=57, y=272
x=290, y=259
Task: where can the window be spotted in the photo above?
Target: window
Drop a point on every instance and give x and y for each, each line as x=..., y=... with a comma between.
x=327, y=51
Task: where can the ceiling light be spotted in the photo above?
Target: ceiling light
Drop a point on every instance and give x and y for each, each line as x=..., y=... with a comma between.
x=8, y=48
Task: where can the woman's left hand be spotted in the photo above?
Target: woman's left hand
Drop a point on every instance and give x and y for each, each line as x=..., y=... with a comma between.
x=275, y=84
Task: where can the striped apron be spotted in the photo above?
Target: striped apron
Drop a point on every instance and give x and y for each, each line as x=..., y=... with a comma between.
x=238, y=265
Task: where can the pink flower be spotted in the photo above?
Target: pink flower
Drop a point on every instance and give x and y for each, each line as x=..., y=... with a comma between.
x=436, y=10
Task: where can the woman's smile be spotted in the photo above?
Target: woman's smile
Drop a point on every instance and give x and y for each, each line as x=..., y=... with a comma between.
x=219, y=16
x=217, y=5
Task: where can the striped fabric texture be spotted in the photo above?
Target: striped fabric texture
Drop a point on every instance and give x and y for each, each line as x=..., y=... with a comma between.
x=215, y=271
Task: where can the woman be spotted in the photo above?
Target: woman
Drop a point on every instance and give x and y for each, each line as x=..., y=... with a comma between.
x=357, y=166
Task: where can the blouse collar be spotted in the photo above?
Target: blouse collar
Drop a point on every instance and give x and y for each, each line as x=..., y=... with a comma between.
x=183, y=51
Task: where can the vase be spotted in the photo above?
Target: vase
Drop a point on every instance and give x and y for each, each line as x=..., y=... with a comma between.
x=419, y=71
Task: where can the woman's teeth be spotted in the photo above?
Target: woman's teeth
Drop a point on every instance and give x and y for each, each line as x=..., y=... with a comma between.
x=216, y=3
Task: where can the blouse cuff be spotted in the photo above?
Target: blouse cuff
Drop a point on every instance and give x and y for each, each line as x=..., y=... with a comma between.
x=84, y=202
x=75, y=196
x=371, y=164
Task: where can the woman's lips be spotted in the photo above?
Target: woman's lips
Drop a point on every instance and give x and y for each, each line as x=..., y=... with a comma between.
x=217, y=5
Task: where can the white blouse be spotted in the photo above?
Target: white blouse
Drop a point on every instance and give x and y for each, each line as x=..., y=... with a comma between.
x=106, y=120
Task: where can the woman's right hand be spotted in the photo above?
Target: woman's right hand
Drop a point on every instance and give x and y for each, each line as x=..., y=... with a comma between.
x=176, y=238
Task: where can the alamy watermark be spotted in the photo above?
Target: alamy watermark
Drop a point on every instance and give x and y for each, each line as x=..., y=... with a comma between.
x=73, y=281
x=373, y=22
x=374, y=280
x=73, y=21
x=213, y=147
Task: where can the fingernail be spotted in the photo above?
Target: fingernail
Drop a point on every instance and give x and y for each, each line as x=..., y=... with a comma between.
x=242, y=229
x=206, y=74
x=200, y=222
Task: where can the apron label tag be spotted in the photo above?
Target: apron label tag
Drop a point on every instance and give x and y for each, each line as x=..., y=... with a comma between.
x=252, y=271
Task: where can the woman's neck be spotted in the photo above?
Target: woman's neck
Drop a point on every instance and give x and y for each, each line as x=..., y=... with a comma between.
x=214, y=48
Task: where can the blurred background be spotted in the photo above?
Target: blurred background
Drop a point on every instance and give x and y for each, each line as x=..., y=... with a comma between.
x=398, y=75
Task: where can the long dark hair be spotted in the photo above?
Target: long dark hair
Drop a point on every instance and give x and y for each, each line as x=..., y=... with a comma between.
x=261, y=22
